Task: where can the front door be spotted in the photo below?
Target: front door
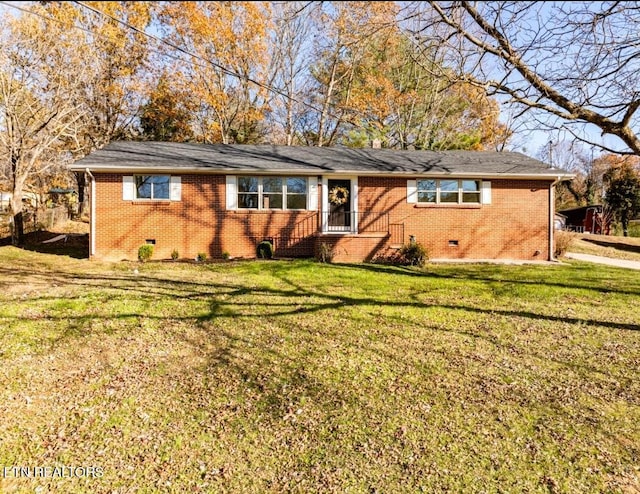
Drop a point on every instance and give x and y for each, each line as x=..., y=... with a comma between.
x=340, y=219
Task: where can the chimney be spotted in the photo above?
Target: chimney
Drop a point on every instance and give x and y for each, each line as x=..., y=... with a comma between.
x=376, y=144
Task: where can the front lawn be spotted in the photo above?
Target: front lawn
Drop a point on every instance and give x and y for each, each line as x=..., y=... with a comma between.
x=275, y=376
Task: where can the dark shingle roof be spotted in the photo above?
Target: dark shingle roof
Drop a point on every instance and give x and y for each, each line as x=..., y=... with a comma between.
x=136, y=156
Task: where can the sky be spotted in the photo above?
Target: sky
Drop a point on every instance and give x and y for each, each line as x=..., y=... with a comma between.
x=535, y=143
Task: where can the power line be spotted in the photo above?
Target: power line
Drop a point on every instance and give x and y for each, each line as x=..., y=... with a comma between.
x=163, y=41
x=80, y=28
x=46, y=18
x=215, y=64
x=210, y=62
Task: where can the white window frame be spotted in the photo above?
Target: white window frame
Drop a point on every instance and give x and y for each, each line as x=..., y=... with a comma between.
x=438, y=191
x=130, y=190
x=233, y=192
x=152, y=197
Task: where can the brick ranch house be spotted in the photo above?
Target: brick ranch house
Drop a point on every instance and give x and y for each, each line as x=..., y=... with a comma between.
x=363, y=203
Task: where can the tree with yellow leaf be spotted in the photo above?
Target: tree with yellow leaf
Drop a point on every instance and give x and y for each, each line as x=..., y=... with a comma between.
x=405, y=106
x=374, y=82
x=345, y=29
x=114, y=53
x=111, y=44
x=167, y=114
x=226, y=43
x=37, y=111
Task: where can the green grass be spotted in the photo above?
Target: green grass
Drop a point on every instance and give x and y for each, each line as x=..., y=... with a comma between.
x=275, y=376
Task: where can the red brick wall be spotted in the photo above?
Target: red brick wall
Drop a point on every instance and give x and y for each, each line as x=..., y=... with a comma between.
x=197, y=223
x=513, y=226
x=353, y=248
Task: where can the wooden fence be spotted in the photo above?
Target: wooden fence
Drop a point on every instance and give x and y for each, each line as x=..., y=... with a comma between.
x=47, y=219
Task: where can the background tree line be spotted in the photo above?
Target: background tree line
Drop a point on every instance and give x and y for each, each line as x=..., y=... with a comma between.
x=76, y=75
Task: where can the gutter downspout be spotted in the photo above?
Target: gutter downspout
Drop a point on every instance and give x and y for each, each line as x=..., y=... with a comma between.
x=92, y=219
x=552, y=208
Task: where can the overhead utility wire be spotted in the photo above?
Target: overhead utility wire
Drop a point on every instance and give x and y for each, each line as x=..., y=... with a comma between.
x=163, y=41
x=175, y=47
x=80, y=28
x=46, y=18
x=210, y=62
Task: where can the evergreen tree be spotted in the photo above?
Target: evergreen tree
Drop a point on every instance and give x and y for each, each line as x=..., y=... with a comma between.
x=623, y=194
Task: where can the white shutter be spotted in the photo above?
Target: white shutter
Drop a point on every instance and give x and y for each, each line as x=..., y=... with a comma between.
x=486, y=193
x=312, y=194
x=412, y=191
x=128, y=188
x=175, y=190
x=232, y=192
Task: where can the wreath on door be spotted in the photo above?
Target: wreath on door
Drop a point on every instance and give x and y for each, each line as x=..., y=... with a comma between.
x=338, y=195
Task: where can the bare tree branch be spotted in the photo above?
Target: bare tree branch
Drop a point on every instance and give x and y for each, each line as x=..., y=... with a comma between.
x=577, y=61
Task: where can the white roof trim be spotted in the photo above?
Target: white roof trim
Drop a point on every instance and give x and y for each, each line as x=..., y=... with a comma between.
x=293, y=171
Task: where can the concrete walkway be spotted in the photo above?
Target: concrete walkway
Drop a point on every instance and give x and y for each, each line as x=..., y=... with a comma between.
x=621, y=263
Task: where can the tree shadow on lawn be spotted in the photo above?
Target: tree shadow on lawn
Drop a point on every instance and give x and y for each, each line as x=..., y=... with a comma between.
x=224, y=297
x=225, y=350
x=235, y=301
x=229, y=344
x=74, y=245
x=617, y=245
x=270, y=367
x=581, y=276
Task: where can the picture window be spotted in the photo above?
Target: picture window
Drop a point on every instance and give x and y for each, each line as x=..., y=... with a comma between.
x=266, y=193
